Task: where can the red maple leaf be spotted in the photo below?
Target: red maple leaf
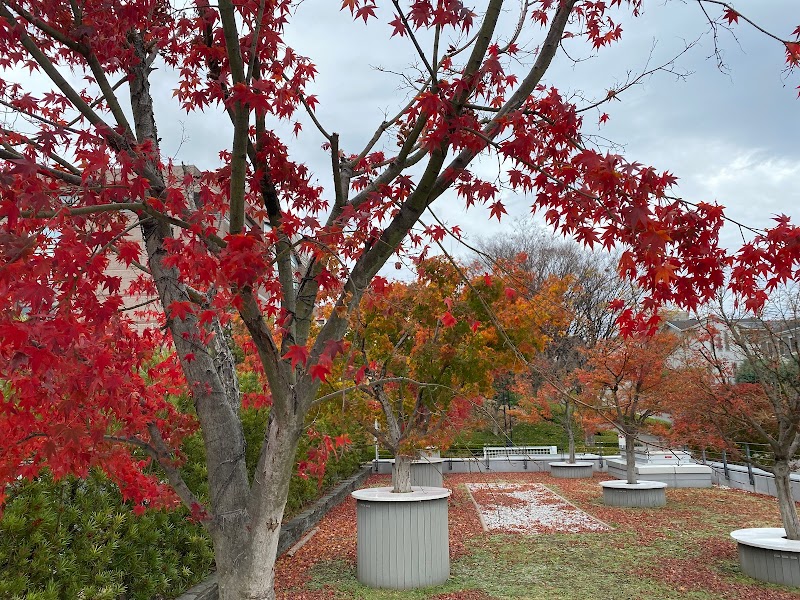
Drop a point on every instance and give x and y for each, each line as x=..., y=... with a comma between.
x=448, y=320
x=360, y=375
x=351, y=5
x=180, y=310
x=730, y=15
x=398, y=27
x=365, y=12
x=497, y=210
x=320, y=371
x=297, y=354
x=128, y=252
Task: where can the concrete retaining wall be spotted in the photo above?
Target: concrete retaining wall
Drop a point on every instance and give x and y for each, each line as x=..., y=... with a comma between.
x=205, y=590
x=291, y=531
x=764, y=482
x=540, y=464
x=673, y=475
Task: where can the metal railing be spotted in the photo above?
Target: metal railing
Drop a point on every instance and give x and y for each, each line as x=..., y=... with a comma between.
x=747, y=453
x=477, y=450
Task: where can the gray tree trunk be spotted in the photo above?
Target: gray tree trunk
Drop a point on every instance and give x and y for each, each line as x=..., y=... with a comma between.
x=786, y=503
x=401, y=475
x=630, y=457
x=246, y=517
x=569, y=409
x=246, y=571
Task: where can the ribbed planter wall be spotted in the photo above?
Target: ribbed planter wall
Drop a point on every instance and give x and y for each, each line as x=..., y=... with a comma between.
x=568, y=470
x=427, y=473
x=765, y=554
x=645, y=494
x=403, y=540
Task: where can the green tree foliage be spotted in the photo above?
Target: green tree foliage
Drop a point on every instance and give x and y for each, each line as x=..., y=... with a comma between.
x=773, y=372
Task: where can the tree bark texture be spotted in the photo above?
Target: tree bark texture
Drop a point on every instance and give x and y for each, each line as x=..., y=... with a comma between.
x=246, y=571
x=630, y=457
x=786, y=503
x=401, y=474
x=569, y=409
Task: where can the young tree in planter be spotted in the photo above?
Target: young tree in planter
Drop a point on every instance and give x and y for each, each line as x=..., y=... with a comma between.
x=84, y=173
x=432, y=360
x=751, y=392
x=431, y=369
x=591, y=285
x=627, y=380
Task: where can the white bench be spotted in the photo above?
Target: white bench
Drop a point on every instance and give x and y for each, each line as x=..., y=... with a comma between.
x=518, y=452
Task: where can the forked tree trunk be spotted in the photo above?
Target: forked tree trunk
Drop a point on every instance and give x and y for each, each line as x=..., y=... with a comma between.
x=786, y=503
x=630, y=457
x=246, y=547
x=401, y=475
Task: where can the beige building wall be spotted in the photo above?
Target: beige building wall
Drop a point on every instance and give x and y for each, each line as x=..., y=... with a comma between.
x=128, y=275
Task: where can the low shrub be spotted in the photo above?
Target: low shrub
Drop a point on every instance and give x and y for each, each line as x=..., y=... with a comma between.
x=76, y=539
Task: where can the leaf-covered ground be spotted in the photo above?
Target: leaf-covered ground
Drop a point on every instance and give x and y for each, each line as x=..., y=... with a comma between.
x=529, y=508
x=680, y=551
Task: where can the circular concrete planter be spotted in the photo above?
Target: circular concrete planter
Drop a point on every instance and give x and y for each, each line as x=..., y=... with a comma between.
x=427, y=472
x=403, y=540
x=429, y=452
x=765, y=554
x=568, y=470
x=645, y=494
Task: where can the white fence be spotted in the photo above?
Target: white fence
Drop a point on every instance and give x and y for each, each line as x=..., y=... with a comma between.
x=518, y=452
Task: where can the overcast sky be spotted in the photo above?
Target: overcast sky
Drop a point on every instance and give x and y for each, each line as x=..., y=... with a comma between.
x=730, y=134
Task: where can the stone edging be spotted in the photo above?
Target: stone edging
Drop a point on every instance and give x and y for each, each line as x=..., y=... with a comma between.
x=291, y=531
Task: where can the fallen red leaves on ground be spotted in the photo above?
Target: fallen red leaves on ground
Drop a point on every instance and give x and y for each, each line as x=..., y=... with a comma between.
x=529, y=508
x=336, y=537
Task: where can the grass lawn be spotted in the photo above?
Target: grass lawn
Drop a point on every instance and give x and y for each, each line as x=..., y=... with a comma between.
x=680, y=551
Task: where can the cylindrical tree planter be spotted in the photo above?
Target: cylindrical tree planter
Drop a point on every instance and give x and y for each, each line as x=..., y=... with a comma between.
x=403, y=540
x=645, y=494
x=765, y=554
x=430, y=452
x=427, y=472
x=575, y=470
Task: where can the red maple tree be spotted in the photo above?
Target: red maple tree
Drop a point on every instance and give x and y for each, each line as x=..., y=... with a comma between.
x=82, y=168
x=746, y=388
x=628, y=380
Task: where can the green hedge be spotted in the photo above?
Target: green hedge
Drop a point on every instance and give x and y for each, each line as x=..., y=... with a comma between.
x=75, y=539
x=543, y=433
x=302, y=491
